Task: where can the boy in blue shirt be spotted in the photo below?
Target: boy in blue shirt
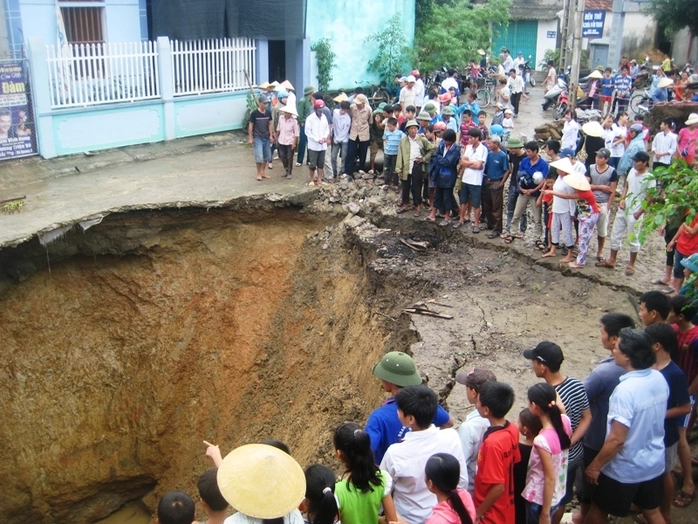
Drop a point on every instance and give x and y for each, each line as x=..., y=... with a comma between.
x=396, y=371
x=608, y=84
x=391, y=142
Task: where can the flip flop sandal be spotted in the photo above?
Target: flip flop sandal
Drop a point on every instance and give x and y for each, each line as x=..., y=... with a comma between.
x=457, y=225
x=658, y=282
x=629, y=271
x=540, y=245
x=508, y=240
x=519, y=235
x=444, y=223
x=401, y=210
x=684, y=499
x=476, y=229
x=668, y=290
x=604, y=263
x=429, y=219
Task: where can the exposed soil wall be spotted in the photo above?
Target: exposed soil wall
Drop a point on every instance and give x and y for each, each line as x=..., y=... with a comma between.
x=165, y=329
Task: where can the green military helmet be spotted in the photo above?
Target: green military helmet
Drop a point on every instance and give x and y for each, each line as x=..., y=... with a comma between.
x=398, y=368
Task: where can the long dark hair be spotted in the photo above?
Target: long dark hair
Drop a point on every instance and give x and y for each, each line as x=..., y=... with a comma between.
x=355, y=444
x=319, y=490
x=443, y=470
x=543, y=395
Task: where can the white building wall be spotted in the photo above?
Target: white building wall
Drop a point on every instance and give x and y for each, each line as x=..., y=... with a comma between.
x=122, y=19
x=545, y=42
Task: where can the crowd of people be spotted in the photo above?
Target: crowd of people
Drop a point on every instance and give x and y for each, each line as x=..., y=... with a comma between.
x=612, y=439
x=453, y=164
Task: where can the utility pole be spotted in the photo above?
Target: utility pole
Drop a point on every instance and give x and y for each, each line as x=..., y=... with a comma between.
x=616, y=36
x=566, y=30
x=578, y=18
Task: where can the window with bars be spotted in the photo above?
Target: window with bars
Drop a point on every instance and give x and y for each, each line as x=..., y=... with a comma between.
x=83, y=25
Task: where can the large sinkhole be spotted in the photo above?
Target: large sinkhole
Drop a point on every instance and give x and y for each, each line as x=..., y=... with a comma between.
x=125, y=346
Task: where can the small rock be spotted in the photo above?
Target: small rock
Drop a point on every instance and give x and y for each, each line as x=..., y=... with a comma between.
x=353, y=208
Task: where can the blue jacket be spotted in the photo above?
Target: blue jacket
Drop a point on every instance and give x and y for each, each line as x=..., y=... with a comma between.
x=626, y=161
x=384, y=427
x=443, y=169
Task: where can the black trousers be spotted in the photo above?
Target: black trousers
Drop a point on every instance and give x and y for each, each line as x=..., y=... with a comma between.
x=356, y=147
x=515, y=101
x=443, y=200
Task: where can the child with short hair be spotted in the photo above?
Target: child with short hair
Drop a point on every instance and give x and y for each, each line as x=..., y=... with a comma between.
x=683, y=310
x=212, y=500
x=175, y=507
x=391, y=142
x=482, y=126
x=546, y=479
x=363, y=487
x=319, y=503
x=474, y=426
x=665, y=345
x=655, y=307
x=529, y=426
x=494, y=482
x=508, y=124
x=405, y=461
x=455, y=505
x=410, y=112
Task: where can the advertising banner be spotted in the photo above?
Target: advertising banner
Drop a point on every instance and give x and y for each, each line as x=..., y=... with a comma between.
x=17, y=136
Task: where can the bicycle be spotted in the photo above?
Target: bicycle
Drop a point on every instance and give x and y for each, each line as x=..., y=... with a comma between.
x=378, y=94
x=641, y=103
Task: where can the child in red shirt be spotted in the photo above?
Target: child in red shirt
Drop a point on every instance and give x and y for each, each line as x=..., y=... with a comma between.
x=683, y=309
x=494, y=480
x=686, y=242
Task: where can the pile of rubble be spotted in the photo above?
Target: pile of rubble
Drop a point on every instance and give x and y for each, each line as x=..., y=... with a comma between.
x=554, y=129
x=363, y=195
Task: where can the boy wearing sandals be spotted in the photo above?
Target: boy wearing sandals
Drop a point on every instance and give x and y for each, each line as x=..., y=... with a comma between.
x=630, y=210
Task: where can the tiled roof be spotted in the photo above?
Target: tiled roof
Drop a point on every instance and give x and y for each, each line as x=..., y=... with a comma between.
x=598, y=5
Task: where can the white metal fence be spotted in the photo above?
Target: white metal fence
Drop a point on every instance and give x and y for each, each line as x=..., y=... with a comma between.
x=89, y=74
x=209, y=66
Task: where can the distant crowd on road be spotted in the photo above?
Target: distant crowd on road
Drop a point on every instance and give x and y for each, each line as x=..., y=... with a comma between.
x=613, y=440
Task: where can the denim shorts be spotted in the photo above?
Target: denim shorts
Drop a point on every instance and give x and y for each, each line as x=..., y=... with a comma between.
x=470, y=192
x=533, y=512
x=262, y=150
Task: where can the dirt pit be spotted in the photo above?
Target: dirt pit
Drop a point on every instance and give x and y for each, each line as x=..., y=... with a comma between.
x=156, y=330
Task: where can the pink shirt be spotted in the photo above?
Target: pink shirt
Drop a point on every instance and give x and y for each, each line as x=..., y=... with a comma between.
x=687, y=140
x=547, y=440
x=287, y=130
x=443, y=512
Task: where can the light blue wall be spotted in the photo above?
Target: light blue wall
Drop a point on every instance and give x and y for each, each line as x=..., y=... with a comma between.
x=122, y=17
x=80, y=129
x=347, y=23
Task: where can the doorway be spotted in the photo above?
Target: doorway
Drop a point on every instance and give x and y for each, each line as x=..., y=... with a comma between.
x=277, y=60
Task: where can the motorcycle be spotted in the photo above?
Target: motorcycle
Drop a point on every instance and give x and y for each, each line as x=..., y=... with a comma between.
x=528, y=72
x=554, y=97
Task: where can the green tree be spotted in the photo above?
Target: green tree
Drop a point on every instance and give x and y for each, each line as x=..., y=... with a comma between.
x=393, y=56
x=456, y=30
x=674, y=199
x=325, y=63
x=674, y=15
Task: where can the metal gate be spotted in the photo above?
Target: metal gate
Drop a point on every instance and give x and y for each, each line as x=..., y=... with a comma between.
x=17, y=129
x=519, y=35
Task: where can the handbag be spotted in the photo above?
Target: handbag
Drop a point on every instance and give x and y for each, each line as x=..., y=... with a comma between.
x=582, y=155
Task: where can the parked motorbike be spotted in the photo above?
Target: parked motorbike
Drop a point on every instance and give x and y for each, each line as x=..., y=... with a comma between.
x=557, y=97
x=528, y=72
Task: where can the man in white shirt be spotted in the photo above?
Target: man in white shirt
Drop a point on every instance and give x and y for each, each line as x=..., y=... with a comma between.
x=516, y=86
x=451, y=82
x=317, y=129
x=507, y=61
x=473, y=160
x=519, y=60
x=405, y=461
x=664, y=144
x=420, y=90
x=408, y=94
x=630, y=210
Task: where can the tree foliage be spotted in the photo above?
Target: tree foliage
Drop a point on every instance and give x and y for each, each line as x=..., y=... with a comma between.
x=455, y=30
x=674, y=200
x=393, y=56
x=325, y=63
x=674, y=15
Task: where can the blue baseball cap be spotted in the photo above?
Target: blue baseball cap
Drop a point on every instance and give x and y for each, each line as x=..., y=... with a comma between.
x=567, y=153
